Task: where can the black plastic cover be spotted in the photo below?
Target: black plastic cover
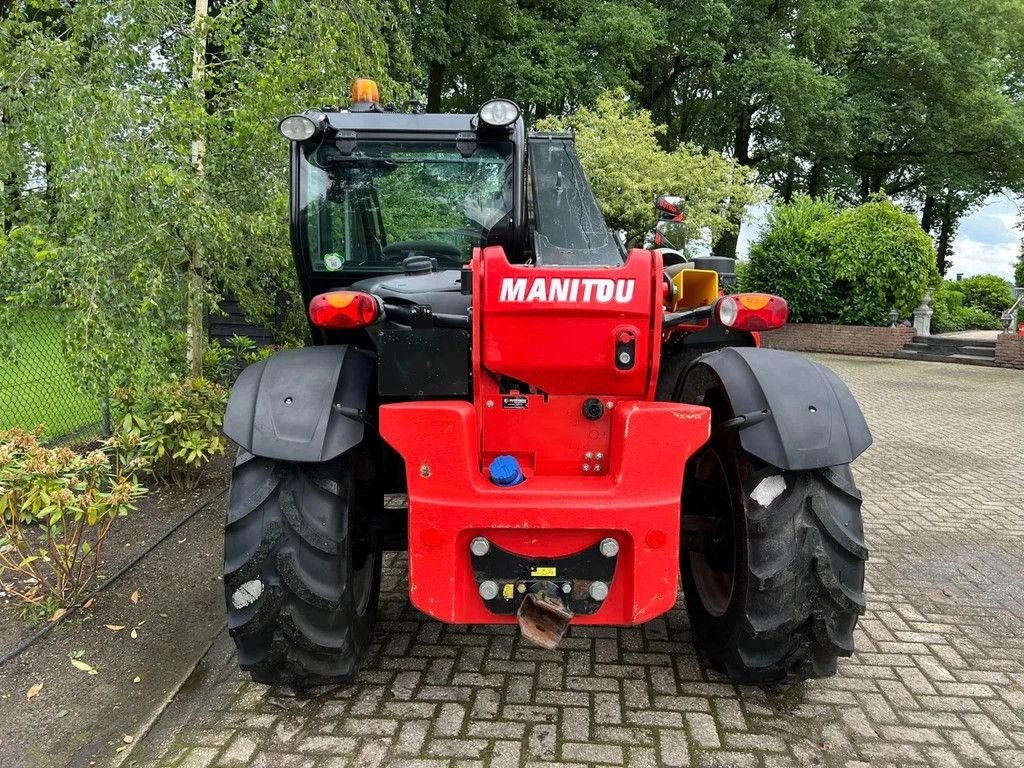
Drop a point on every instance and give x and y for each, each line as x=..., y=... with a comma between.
x=284, y=407
x=433, y=362
x=812, y=420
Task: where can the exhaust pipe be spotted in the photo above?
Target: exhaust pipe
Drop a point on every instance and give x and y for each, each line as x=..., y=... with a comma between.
x=543, y=618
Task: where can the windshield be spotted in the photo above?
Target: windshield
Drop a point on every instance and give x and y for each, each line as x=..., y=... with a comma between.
x=388, y=200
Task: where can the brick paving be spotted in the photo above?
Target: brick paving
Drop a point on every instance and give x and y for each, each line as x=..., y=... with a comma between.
x=938, y=677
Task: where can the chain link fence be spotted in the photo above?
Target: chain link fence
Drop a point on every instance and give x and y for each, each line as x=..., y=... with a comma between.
x=37, y=385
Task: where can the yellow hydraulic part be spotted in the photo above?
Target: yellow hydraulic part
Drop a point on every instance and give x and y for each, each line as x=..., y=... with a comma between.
x=693, y=288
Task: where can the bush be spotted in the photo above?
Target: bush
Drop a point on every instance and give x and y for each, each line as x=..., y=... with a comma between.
x=947, y=309
x=56, y=509
x=789, y=261
x=951, y=314
x=222, y=362
x=176, y=427
x=879, y=259
x=851, y=266
x=989, y=293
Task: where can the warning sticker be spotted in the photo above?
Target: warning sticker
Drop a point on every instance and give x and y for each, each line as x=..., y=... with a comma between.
x=546, y=570
x=508, y=590
x=515, y=402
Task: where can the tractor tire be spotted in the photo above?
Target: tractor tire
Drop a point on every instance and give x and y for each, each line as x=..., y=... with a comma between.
x=777, y=590
x=301, y=585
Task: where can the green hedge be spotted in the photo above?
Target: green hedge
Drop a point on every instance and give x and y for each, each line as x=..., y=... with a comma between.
x=851, y=265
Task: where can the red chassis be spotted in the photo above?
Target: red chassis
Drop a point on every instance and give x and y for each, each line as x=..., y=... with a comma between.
x=613, y=471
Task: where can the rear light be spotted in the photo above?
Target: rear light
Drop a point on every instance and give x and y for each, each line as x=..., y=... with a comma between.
x=343, y=310
x=751, y=311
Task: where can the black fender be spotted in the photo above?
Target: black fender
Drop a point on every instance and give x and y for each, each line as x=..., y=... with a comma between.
x=301, y=405
x=796, y=413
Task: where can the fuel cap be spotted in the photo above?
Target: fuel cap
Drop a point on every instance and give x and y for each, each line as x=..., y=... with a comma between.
x=505, y=471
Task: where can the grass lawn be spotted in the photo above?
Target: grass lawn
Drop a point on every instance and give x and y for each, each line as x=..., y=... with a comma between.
x=38, y=388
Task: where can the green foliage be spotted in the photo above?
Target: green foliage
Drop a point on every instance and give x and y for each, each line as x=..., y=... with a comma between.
x=56, y=509
x=848, y=266
x=951, y=310
x=917, y=98
x=223, y=362
x=175, y=428
x=550, y=57
x=628, y=169
x=878, y=259
x=1018, y=273
x=101, y=201
x=989, y=293
x=790, y=261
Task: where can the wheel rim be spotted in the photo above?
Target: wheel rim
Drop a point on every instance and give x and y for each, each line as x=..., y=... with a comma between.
x=715, y=577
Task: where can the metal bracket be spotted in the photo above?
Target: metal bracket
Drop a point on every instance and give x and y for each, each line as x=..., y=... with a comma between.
x=421, y=317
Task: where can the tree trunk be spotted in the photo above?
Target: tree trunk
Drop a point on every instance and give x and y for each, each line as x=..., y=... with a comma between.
x=928, y=213
x=741, y=140
x=944, y=245
x=194, y=311
x=726, y=245
x=787, y=184
x=814, y=180
x=435, y=85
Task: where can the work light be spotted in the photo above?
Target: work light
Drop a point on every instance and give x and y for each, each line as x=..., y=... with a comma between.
x=298, y=127
x=499, y=113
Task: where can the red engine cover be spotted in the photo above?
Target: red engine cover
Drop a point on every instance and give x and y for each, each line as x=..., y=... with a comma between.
x=556, y=328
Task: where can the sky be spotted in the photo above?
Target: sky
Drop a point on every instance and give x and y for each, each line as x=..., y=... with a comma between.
x=988, y=241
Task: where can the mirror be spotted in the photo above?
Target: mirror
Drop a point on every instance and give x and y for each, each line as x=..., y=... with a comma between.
x=670, y=208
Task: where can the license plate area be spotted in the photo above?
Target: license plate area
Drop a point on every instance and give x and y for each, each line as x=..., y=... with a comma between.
x=582, y=580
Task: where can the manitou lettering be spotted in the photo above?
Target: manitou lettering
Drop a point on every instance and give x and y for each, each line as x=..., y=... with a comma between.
x=567, y=290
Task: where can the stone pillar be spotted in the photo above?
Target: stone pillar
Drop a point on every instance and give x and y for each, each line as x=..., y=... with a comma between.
x=923, y=316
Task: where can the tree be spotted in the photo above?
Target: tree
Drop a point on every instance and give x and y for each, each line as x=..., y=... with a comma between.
x=101, y=103
x=628, y=169
x=549, y=56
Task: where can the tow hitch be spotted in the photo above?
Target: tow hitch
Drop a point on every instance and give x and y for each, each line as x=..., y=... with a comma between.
x=543, y=616
x=544, y=593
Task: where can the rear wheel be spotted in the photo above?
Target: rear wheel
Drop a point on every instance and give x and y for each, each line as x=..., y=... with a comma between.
x=301, y=582
x=777, y=586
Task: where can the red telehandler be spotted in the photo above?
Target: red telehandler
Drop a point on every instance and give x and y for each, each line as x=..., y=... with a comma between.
x=575, y=425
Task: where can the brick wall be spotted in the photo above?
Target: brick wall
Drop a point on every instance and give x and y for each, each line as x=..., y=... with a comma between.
x=1010, y=350
x=840, y=339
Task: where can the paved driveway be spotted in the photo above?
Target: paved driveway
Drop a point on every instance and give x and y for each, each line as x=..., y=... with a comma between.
x=938, y=677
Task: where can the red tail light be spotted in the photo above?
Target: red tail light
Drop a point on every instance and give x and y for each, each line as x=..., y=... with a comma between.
x=343, y=310
x=751, y=311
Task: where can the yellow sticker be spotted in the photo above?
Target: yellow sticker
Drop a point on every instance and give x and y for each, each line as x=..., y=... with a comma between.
x=508, y=591
x=544, y=571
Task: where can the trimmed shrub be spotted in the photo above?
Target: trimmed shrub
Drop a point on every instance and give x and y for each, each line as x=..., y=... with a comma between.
x=989, y=293
x=789, y=260
x=950, y=312
x=851, y=266
x=879, y=259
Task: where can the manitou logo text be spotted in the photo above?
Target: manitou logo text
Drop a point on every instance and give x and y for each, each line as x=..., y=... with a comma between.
x=567, y=289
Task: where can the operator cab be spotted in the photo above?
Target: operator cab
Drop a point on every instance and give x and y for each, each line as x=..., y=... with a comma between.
x=377, y=193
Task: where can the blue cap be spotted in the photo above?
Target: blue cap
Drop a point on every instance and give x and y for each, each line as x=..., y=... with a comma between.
x=505, y=471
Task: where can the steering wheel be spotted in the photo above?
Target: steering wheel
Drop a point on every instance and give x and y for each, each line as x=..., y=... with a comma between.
x=401, y=250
